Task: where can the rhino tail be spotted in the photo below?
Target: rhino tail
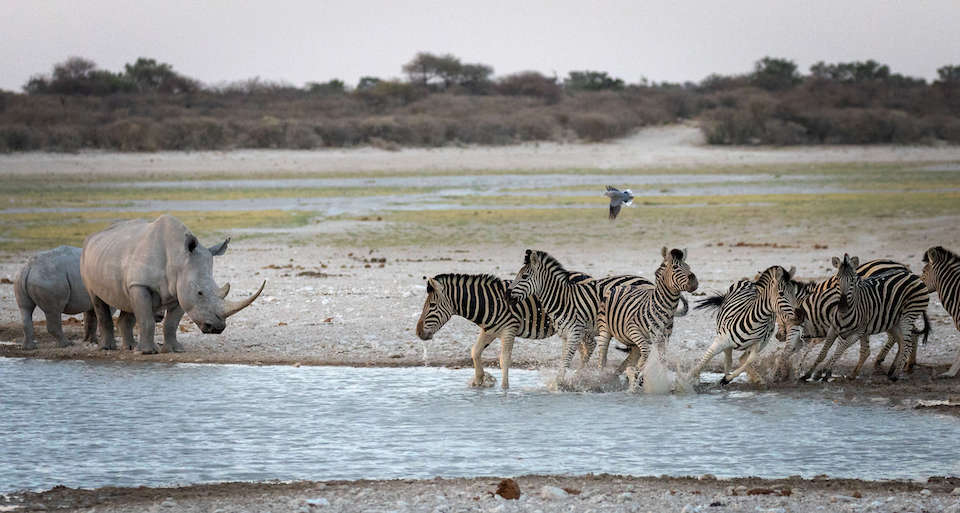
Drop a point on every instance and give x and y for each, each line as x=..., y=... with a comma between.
x=20, y=287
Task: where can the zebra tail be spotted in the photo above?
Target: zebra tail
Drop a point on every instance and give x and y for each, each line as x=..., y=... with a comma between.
x=685, y=309
x=926, y=329
x=713, y=302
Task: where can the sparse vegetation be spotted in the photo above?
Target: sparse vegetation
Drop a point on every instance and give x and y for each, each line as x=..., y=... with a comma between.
x=149, y=106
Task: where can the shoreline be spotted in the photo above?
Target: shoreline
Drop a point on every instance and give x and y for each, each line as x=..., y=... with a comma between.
x=599, y=492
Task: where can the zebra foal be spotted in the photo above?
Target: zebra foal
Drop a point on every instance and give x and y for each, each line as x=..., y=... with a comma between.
x=642, y=316
x=482, y=299
x=941, y=274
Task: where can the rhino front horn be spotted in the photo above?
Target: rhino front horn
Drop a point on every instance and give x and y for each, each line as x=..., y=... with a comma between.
x=224, y=290
x=232, y=307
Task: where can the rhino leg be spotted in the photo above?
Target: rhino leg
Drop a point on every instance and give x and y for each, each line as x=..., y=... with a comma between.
x=90, y=326
x=143, y=309
x=105, y=322
x=55, y=328
x=126, y=322
x=171, y=322
x=26, y=314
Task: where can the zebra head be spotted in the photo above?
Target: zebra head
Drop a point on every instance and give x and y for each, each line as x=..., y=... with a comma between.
x=847, y=280
x=776, y=288
x=530, y=277
x=437, y=310
x=933, y=261
x=675, y=273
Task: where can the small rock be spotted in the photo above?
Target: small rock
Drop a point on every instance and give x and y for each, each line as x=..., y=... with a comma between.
x=741, y=490
x=320, y=502
x=168, y=503
x=956, y=491
x=508, y=489
x=624, y=497
x=552, y=492
x=926, y=493
x=690, y=508
x=730, y=490
x=708, y=477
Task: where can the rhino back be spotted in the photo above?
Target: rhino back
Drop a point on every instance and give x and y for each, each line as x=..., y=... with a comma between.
x=126, y=254
x=52, y=280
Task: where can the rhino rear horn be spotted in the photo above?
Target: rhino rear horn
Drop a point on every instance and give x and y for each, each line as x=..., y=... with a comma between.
x=232, y=307
x=224, y=290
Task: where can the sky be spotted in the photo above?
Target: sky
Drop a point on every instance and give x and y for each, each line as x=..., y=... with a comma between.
x=299, y=41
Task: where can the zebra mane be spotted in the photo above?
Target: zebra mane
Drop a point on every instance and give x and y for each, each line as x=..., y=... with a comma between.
x=941, y=254
x=549, y=262
x=455, y=279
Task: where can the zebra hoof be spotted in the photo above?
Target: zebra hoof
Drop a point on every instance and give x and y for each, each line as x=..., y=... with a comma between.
x=724, y=381
x=893, y=378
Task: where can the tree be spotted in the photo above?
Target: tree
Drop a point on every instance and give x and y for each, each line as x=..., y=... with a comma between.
x=949, y=74
x=367, y=83
x=79, y=76
x=851, y=72
x=775, y=74
x=334, y=86
x=444, y=71
x=150, y=76
x=530, y=83
x=592, y=81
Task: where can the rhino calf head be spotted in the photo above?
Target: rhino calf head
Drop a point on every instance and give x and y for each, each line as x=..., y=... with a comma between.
x=199, y=296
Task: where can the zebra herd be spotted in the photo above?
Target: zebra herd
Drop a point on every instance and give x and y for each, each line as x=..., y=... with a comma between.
x=859, y=300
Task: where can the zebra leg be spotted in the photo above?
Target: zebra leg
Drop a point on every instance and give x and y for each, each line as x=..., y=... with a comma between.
x=864, y=354
x=603, y=344
x=827, y=370
x=630, y=360
x=953, y=369
x=882, y=355
x=727, y=359
x=570, y=343
x=827, y=344
x=751, y=356
x=720, y=343
x=586, y=346
x=506, y=356
x=475, y=353
x=906, y=346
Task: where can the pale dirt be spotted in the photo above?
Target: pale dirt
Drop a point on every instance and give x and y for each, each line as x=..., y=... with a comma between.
x=360, y=315
x=658, y=147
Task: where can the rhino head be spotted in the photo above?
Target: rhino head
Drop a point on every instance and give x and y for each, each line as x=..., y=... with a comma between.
x=199, y=296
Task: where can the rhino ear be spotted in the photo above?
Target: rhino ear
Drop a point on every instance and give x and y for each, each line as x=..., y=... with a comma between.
x=191, y=243
x=219, y=249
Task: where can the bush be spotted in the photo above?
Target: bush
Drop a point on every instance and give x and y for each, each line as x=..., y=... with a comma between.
x=530, y=83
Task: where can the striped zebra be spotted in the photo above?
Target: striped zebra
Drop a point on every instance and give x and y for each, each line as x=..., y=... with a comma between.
x=941, y=274
x=746, y=318
x=642, y=316
x=482, y=299
x=818, y=299
x=889, y=299
x=570, y=300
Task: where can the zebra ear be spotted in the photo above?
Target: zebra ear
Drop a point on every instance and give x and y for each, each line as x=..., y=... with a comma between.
x=855, y=262
x=434, y=286
x=663, y=252
x=791, y=272
x=684, y=254
x=836, y=262
x=526, y=257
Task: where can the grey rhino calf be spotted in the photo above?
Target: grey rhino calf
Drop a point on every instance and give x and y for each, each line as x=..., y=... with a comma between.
x=146, y=268
x=51, y=280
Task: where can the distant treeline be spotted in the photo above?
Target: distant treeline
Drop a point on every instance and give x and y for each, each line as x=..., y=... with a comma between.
x=442, y=101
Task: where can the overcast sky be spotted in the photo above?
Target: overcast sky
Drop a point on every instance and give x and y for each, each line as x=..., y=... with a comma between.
x=314, y=40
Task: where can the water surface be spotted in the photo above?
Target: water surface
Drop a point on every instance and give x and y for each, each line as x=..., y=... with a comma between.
x=91, y=424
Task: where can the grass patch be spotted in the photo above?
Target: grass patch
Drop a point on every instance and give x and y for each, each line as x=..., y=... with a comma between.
x=47, y=230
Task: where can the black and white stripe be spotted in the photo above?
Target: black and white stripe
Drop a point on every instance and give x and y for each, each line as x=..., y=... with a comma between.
x=642, y=316
x=941, y=274
x=818, y=315
x=746, y=318
x=570, y=299
x=482, y=299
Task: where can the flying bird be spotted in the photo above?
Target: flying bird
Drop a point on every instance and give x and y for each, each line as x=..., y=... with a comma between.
x=618, y=199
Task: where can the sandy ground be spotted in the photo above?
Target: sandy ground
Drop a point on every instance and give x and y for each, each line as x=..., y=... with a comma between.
x=670, y=146
x=335, y=306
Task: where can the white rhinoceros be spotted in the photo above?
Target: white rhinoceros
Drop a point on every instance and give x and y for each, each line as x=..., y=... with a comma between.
x=146, y=269
x=51, y=280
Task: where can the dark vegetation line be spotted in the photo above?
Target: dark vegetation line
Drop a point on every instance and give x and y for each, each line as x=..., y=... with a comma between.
x=442, y=101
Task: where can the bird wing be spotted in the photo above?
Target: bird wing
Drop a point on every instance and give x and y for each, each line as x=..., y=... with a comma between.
x=614, y=210
x=612, y=188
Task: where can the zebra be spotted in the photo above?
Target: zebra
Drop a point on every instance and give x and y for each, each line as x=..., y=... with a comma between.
x=642, y=316
x=746, y=318
x=482, y=299
x=898, y=299
x=570, y=300
x=941, y=274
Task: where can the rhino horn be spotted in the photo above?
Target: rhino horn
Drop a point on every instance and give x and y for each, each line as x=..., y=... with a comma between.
x=232, y=307
x=224, y=290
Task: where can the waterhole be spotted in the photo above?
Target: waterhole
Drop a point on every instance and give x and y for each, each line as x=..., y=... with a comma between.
x=89, y=424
